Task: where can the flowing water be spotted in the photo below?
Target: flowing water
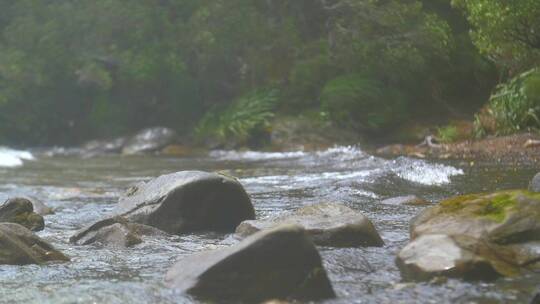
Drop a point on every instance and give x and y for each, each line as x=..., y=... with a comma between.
x=85, y=190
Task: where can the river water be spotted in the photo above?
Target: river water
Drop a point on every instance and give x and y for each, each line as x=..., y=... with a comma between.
x=85, y=190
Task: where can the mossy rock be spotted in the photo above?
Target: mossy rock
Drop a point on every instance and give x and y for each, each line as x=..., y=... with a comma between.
x=481, y=215
x=500, y=231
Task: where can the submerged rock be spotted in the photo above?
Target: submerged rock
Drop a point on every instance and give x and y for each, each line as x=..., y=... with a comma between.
x=274, y=264
x=21, y=211
x=188, y=201
x=534, y=186
x=501, y=230
x=328, y=224
x=116, y=232
x=20, y=247
x=411, y=200
x=149, y=140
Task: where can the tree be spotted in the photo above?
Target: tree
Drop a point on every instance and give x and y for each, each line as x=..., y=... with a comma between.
x=508, y=32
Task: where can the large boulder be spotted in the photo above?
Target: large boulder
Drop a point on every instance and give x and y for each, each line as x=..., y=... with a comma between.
x=272, y=264
x=534, y=186
x=115, y=232
x=19, y=246
x=21, y=211
x=459, y=234
x=328, y=224
x=188, y=201
x=149, y=140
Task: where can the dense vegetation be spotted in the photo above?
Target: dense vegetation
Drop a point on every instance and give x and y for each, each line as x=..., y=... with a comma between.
x=73, y=70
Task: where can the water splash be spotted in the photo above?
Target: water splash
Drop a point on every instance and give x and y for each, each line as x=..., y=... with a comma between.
x=13, y=158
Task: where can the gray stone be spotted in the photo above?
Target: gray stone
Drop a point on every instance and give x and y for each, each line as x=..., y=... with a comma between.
x=21, y=211
x=115, y=232
x=500, y=230
x=534, y=186
x=188, y=201
x=272, y=264
x=149, y=140
x=328, y=224
x=19, y=246
x=434, y=255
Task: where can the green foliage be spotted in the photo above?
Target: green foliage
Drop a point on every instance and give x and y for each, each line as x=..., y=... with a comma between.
x=515, y=105
x=448, y=134
x=248, y=114
x=506, y=31
x=108, y=68
x=362, y=103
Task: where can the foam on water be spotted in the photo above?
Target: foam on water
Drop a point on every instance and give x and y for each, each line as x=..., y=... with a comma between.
x=254, y=155
x=421, y=172
x=13, y=158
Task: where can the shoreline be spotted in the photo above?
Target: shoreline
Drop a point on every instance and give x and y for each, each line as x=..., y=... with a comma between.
x=520, y=148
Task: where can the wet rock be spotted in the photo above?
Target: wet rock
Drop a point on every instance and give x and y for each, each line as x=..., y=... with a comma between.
x=188, y=201
x=534, y=186
x=502, y=217
x=434, y=255
x=411, y=200
x=39, y=206
x=328, y=224
x=21, y=211
x=280, y=263
x=536, y=298
x=101, y=147
x=149, y=140
x=21, y=247
x=116, y=232
x=501, y=230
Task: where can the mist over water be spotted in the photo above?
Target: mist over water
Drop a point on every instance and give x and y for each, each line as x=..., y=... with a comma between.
x=82, y=191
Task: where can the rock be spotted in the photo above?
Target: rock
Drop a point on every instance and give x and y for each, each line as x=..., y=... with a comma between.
x=531, y=143
x=411, y=200
x=536, y=299
x=534, y=186
x=460, y=234
x=280, y=263
x=188, y=201
x=116, y=232
x=434, y=255
x=502, y=217
x=149, y=140
x=21, y=247
x=21, y=211
x=39, y=206
x=101, y=147
x=328, y=224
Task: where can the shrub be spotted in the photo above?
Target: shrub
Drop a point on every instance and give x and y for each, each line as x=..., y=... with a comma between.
x=247, y=115
x=363, y=103
x=515, y=105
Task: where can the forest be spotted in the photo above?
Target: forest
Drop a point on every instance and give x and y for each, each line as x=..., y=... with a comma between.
x=76, y=70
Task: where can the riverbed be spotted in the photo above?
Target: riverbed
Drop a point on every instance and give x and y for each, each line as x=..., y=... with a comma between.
x=84, y=190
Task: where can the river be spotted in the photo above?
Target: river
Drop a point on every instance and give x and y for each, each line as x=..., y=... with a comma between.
x=85, y=190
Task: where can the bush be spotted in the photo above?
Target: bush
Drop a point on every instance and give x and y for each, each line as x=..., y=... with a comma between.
x=515, y=105
x=243, y=118
x=363, y=103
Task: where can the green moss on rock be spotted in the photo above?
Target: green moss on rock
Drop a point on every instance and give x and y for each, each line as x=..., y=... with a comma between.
x=493, y=206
